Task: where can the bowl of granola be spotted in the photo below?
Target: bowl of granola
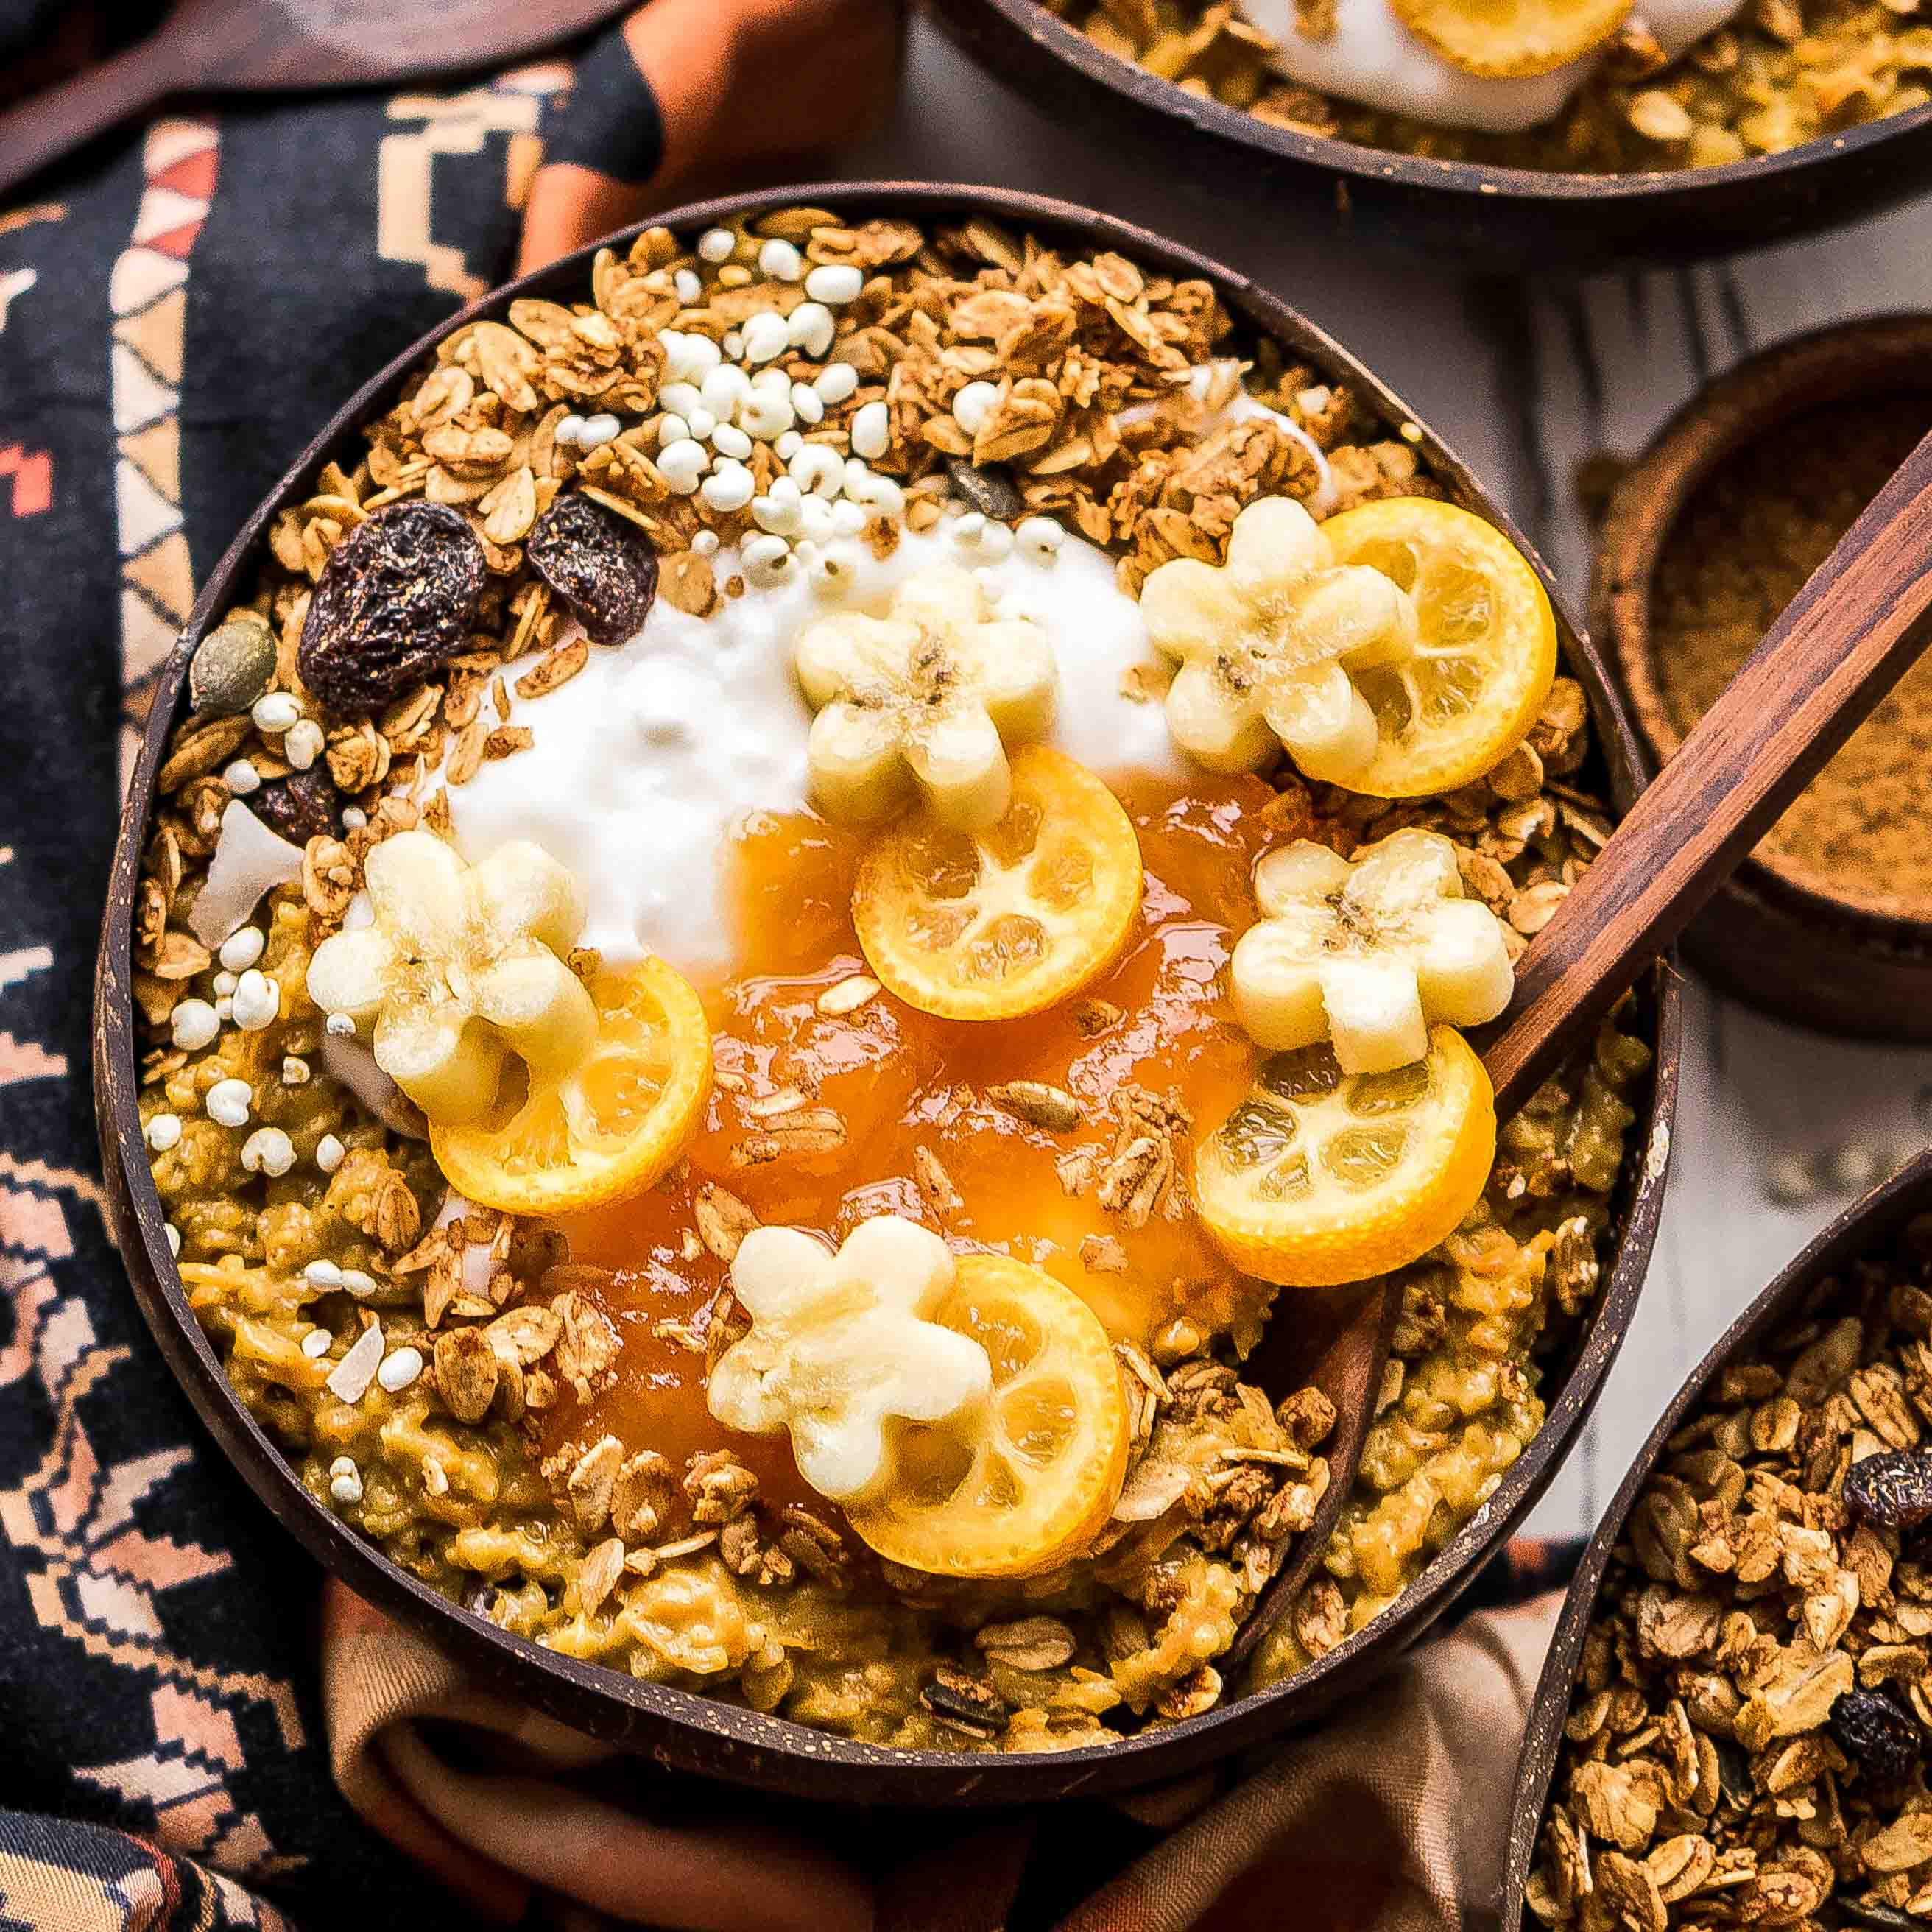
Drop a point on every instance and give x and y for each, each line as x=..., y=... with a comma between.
x=1731, y=1725
x=1517, y=137
x=792, y=939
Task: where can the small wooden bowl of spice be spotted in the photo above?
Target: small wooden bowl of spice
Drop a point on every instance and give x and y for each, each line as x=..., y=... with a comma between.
x=1707, y=537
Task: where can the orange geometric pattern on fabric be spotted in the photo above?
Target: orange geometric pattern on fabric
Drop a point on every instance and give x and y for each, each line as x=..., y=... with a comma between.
x=31, y=474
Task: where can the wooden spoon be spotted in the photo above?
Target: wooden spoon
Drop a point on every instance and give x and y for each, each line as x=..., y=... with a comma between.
x=263, y=45
x=1841, y=643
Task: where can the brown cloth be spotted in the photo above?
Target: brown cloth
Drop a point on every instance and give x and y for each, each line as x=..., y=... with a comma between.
x=1391, y=1818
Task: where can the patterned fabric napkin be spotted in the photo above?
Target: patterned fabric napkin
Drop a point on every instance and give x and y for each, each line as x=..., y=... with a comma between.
x=177, y=312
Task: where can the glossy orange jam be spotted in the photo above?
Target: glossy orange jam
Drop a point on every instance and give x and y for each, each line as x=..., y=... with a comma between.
x=901, y=1080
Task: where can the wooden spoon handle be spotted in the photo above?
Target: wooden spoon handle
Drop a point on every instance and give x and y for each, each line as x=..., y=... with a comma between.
x=1843, y=641
x=45, y=127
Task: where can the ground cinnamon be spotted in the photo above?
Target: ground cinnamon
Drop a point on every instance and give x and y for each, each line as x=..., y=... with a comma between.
x=1758, y=525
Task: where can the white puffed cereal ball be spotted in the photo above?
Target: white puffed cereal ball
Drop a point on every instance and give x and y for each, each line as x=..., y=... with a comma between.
x=339, y=1026
x=788, y=446
x=242, y=948
x=966, y=529
x=725, y=389
x=258, y=999
x=163, y=1132
x=807, y=404
x=729, y=487
x=1039, y=539
x=224, y=983
x=728, y=439
x=322, y=1274
x=814, y=468
x=303, y=744
x=568, y=430
x=682, y=464
x=268, y=1150
x=769, y=562
x=174, y=1238
x=810, y=327
x=815, y=519
x=354, y=817
x=847, y=519
x=342, y=1465
x=357, y=1283
x=224, y=1007
x=834, y=282
x=241, y=778
x=228, y=1102
x=705, y=543
x=672, y=429
x=315, y=1343
x=777, y=515
x=598, y=431
x=871, y=430
x=688, y=357
x=717, y=245
x=973, y=404
x=766, y=413
x=294, y=1070
x=193, y=1025
x=346, y=1488
x=329, y=1154
x=680, y=399
x=701, y=422
x=766, y=338
x=734, y=344
x=275, y=711
x=781, y=261
x=400, y=1368
x=836, y=382
x=690, y=290
x=996, y=542
x=835, y=566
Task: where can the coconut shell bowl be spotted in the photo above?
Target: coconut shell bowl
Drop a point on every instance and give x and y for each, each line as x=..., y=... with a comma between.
x=1798, y=1330
x=708, y=1736
x=1504, y=219
x=1809, y=943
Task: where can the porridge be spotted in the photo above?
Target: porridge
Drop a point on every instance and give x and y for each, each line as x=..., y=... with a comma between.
x=797, y=910
x=1597, y=87
x=1746, y=1737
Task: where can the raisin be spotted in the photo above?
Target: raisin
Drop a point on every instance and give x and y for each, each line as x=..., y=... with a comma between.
x=302, y=806
x=396, y=598
x=600, y=564
x=1892, y=1489
x=989, y=487
x=1880, y=1917
x=1885, y=1739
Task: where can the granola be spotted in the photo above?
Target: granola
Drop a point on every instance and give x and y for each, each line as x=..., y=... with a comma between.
x=1746, y=1737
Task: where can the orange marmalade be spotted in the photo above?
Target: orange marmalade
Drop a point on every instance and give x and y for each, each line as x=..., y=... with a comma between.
x=914, y=1130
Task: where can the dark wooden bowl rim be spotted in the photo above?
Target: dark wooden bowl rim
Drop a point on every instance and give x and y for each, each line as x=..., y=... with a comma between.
x=1870, y=357
x=681, y=1729
x=1864, y=1227
x=1557, y=186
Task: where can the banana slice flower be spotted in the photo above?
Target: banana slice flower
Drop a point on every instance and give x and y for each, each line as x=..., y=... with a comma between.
x=923, y=701
x=839, y=1345
x=1266, y=642
x=1367, y=954
x=461, y=965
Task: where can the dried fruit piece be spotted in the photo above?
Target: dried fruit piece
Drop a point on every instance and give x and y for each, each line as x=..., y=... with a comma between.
x=461, y=965
x=1511, y=37
x=302, y=806
x=232, y=667
x=1268, y=643
x=1892, y=1489
x=602, y=566
x=923, y=702
x=1368, y=952
x=396, y=598
x=1319, y=1177
x=1885, y=1738
x=841, y=1345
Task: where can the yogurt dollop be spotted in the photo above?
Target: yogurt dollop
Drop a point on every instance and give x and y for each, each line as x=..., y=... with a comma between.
x=1371, y=58
x=643, y=766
